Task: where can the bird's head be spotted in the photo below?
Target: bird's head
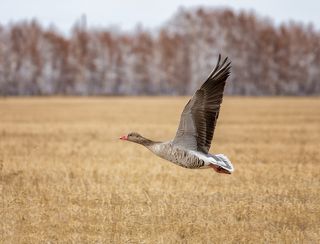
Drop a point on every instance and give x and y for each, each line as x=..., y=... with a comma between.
x=134, y=137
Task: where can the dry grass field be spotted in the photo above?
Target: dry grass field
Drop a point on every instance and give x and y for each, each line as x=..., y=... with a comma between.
x=67, y=178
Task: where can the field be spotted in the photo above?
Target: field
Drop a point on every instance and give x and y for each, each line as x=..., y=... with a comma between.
x=67, y=178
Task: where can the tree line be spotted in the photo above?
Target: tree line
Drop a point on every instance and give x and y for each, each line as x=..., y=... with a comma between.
x=267, y=59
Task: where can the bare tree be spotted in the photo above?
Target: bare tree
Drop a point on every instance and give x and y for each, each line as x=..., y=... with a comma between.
x=266, y=59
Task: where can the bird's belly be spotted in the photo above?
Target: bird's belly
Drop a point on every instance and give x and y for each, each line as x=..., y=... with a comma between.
x=185, y=158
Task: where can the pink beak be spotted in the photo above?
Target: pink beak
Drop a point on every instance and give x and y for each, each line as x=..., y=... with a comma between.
x=123, y=138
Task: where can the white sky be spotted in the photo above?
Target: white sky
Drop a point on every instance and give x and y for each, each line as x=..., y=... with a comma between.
x=151, y=14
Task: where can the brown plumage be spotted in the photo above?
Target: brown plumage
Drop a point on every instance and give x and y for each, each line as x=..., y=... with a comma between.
x=190, y=147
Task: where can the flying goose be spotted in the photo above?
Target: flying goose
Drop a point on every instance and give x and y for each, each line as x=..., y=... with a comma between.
x=190, y=147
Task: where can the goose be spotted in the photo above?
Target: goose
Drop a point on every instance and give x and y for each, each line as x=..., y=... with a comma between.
x=190, y=147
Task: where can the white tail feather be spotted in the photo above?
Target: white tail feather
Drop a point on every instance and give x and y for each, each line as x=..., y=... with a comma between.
x=223, y=162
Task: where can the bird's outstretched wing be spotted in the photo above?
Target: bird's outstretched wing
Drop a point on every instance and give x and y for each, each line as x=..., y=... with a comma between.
x=199, y=116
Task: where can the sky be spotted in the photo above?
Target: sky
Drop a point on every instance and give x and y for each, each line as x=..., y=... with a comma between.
x=126, y=14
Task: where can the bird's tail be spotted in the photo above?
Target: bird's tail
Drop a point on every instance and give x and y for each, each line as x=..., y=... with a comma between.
x=223, y=161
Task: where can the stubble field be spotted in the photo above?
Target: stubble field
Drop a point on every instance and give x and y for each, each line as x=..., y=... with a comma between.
x=67, y=178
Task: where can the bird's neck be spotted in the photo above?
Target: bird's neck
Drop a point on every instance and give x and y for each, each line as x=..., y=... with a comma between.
x=147, y=142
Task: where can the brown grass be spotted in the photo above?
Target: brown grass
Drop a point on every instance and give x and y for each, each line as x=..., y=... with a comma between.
x=65, y=176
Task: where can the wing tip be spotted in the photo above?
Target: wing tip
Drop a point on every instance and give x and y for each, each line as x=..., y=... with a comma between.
x=224, y=67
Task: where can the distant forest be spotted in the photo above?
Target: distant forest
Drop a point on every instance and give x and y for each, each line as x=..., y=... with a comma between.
x=267, y=59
